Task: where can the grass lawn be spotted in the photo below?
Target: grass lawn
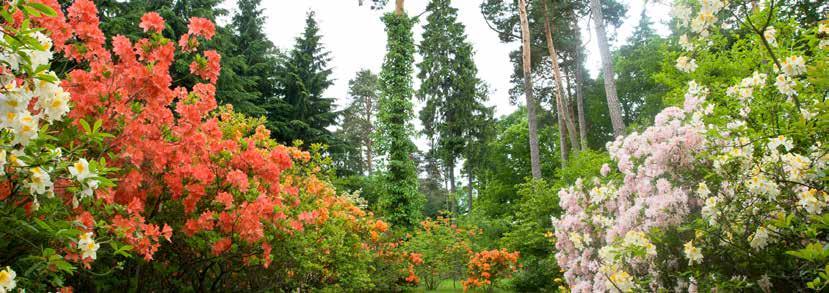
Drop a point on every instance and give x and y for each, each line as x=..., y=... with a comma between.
x=446, y=286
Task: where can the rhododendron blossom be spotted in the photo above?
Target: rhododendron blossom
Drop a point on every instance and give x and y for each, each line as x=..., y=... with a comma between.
x=152, y=21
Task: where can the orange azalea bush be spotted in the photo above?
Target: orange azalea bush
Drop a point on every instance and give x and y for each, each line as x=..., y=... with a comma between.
x=486, y=267
x=441, y=248
x=200, y=194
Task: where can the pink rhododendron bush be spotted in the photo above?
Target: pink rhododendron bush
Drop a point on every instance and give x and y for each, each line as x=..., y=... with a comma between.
x=727, y=190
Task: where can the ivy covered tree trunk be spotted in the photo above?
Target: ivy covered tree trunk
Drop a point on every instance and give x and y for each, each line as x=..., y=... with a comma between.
x=535, y=161
x=400, y=202
x=614, y=108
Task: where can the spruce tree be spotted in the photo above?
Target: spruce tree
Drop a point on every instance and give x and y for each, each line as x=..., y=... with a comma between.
x=249, y=62
x=302, y=112
x=449, y=86
x=400, y=202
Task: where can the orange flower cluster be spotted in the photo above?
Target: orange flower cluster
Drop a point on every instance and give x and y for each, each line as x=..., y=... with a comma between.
x=172, y=149
x=486, y=266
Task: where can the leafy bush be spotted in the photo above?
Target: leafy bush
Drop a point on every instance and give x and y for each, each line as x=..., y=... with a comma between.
x=727, y=191
x=485, y=268
x=203, y=195
x=443, y=249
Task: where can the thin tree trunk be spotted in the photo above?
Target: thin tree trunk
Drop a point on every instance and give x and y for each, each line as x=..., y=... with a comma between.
x=607, y=67
x=452, y=187
x=571, y=116
x=579, y=90
x=451, y=178
x=369, y=142
x=535, y=161
x=398, y=7
x=562, y=101
x=469, y=183
x=562, y=140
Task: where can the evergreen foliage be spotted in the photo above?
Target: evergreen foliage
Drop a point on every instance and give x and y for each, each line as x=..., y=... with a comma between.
x=303, y=112
x=450, y=87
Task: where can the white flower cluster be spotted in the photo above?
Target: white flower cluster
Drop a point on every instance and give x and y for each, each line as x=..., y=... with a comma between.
x=771, y=36
x=88, y=246
x=745, y=90
x=692, y=253
x=80, y=170
x=686, y=64
x=15, y=96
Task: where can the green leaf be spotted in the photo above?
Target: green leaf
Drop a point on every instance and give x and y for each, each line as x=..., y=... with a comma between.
x=43, y=8
x=85, y=126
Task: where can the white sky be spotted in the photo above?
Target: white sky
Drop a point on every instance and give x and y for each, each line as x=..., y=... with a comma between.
x=355, y=37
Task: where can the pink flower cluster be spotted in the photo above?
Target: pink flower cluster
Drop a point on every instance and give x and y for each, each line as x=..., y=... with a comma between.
x=653, y=193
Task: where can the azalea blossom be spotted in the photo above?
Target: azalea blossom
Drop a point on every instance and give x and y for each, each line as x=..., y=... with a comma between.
x=685, y=43
x=785, y=85
x=692, y=253
x=811, y=201
x=605, y=170
x=88, y=246
x=80, y=169
x=759, y=239
x=620, y=281
x=152, y=21
x=39, y=181
x=793, y=65
x=686, y=64
x=7, y=280
x=770, y=36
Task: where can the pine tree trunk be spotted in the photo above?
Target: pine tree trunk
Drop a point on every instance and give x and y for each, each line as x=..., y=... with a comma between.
x=452, y=188
x=579, y=83
x=561, y=102
x=571, y=115
x=451, y=168
x=607, y=67
x=469, y=195
x=369, y=142
x=535, y=161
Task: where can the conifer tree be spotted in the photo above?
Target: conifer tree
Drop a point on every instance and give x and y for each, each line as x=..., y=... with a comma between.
x=249, y=62
x=357, y=125
x=302, y=112
x=449, y=86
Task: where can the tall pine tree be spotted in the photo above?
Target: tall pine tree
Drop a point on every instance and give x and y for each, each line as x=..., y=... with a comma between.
x=450, y=86
x=249, y=62
x=400, y=202
x=302, y=112
x=357, y=125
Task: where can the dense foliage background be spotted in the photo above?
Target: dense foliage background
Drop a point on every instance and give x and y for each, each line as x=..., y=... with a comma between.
x=143, y=147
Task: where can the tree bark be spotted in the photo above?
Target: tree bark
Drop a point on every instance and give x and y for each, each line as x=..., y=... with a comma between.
x=369, y=142
x=469, y=195
x=561, y=102
x=579, y=83
x=452, y=187
x=535, y=161
x=398, y=7
x=607, y=67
